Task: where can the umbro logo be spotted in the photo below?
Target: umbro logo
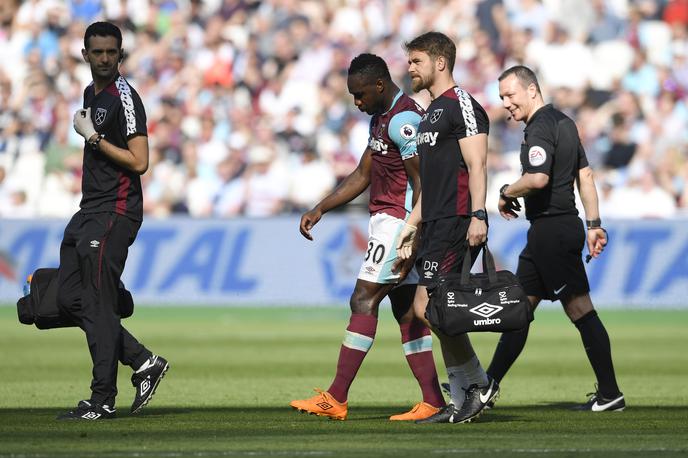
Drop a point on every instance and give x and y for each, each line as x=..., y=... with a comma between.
x=145, y=386
x=91, y=416
x=324, y=405
x=486, y=310
x=95, y=243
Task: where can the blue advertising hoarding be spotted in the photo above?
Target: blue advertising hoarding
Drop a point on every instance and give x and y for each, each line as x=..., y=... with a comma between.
x=267, y=261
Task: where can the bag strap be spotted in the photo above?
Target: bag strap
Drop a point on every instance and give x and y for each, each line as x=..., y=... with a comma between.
x=488, y=265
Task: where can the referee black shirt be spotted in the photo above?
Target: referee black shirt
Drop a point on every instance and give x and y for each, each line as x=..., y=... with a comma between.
x=118, y=113
x=552, y=146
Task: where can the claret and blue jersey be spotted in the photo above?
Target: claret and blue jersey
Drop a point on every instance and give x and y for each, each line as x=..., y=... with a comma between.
x=392, y=139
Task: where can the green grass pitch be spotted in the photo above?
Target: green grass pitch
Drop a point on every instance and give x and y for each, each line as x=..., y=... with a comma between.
x=234, y=371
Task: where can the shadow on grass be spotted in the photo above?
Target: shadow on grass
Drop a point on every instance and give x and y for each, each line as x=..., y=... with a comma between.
x=9, y=416
x=255, y=431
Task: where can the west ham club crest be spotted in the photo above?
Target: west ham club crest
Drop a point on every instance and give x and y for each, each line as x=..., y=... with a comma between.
x=100, y=116
x=435, y=116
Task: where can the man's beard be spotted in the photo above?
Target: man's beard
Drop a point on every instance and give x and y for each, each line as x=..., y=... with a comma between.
x=417, y=84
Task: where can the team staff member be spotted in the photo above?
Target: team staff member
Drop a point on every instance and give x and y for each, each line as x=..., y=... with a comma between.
x=551, y=266
x=97, y=238
x=389, y=165
x=452, y=144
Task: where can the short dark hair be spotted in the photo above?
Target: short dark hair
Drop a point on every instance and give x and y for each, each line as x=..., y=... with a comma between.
x=435, y=44
x=103, y=29
x=525, y=75
x=369, y=66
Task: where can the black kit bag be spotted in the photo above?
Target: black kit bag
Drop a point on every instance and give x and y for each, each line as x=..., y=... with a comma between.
x=491, y=301
x=40, y=308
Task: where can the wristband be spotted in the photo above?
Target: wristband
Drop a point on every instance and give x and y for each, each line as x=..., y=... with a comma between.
x=480, y=214
x=94, y=143
x=593, y=223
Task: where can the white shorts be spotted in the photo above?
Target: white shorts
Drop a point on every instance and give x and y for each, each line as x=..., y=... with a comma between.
x=381, y=253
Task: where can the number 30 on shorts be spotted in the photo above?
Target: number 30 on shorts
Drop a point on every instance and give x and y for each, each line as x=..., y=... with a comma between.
x=377, y=252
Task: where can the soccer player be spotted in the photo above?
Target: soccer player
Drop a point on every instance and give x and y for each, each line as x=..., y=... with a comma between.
x=551, y=266
x=97, y=238
x=452, y=145
x=389, y=166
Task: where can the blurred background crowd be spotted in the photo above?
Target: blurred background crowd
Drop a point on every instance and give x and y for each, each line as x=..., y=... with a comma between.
x=249, y=114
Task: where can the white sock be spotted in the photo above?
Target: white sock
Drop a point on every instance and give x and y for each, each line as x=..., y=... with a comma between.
x=457, y=382
x=473, y=373
x=146, y=364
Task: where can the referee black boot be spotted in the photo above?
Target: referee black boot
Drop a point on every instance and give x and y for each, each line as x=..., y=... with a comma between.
x=598, y=403
x=89, y=410
x=146, y=381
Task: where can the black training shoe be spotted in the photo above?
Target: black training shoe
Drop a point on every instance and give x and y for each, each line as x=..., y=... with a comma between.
x=446, y=414
x=88, y=410
x=147, y=381
x=477, y=399
x=446, y=388
x=597, y=403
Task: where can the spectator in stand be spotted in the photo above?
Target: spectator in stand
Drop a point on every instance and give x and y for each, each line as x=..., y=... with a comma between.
x=211, y=71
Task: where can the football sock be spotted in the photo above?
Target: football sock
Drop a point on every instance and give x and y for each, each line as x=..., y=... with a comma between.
x=417, y=343
x=474, y=373
x=598, y=349
x=457, y=384
x=509, y=347
x=358, y=339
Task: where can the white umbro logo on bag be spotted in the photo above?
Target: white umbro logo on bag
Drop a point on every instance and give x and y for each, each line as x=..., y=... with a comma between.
x=486, y=310
x=95, y=243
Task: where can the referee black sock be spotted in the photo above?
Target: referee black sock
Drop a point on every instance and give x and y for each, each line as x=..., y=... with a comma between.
x=598, y=348
x=509, y=347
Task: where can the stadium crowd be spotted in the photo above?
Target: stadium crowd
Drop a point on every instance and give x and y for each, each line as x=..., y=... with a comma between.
x=249, y=114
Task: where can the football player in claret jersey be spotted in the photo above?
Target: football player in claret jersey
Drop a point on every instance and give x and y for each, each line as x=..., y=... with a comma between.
x=389, y=166
x=97, y=238
x=452, y=145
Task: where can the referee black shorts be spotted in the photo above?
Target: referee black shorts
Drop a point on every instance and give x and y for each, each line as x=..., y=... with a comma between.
x=442, y=248
x=551, y=264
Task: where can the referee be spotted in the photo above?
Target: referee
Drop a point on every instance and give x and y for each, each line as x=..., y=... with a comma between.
x=551, y=266
x=97, y=238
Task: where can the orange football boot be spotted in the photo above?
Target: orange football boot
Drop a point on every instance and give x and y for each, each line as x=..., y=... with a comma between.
x=323, y=405
x=420, y=411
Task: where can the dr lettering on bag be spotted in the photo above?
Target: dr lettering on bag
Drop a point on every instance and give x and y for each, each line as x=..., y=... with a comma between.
x=492, y=301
